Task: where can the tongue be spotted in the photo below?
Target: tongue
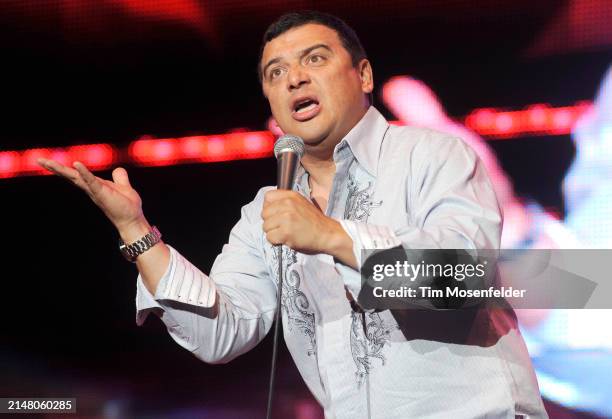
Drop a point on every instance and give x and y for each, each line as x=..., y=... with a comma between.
x=307, y=108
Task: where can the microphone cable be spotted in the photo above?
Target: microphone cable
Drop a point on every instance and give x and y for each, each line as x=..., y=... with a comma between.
x=277, y=327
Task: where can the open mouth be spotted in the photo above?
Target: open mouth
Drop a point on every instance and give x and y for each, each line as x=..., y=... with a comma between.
x=306, y=109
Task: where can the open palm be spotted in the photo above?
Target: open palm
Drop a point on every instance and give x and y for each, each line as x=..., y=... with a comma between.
x=117, y=199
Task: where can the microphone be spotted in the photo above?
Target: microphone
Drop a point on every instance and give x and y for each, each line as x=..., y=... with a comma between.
x=288, y=151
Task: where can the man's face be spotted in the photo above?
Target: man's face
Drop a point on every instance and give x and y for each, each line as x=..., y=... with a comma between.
x=313, y=88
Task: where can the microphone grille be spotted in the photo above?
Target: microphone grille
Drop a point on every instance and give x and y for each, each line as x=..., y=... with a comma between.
x=291, y=143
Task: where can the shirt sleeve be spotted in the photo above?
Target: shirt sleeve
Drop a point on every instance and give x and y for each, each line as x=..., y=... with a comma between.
x=453, y=206
x=222, y=315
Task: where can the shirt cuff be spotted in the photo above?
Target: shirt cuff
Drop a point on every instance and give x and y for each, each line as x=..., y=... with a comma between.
x=369, y=236
x=364, y=236
x=181, y=282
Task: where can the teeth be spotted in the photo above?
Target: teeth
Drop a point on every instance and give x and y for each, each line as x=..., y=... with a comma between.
x=307, y=108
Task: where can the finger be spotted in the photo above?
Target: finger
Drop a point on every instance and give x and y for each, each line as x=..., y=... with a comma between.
x=68, y=173
x=277, y=194
x=276, y=236
x=271, y=224
x=92, y=182
x=120, y=177
x=271, y=209
x=58, y=169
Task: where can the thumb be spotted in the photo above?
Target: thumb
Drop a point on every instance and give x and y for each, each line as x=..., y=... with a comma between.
x=120, y=177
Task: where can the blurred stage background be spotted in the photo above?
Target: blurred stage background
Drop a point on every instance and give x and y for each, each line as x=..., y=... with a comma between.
x=168, y=89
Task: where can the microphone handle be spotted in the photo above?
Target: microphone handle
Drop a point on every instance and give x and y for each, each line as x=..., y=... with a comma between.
x=287, y=169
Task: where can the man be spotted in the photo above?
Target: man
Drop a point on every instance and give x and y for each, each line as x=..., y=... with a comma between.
x=362, y=185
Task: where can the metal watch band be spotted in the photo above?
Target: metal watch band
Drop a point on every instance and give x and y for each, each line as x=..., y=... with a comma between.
x=133, y=250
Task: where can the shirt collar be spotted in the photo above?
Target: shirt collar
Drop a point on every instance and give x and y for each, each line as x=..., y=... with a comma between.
x=364, y=141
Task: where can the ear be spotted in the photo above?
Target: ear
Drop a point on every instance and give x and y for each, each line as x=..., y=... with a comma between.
x=366, y=76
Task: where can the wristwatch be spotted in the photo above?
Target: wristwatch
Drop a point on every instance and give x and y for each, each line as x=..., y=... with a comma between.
x=133, y=250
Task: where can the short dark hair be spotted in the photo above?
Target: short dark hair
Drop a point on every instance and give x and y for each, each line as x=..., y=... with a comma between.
x=288, y=21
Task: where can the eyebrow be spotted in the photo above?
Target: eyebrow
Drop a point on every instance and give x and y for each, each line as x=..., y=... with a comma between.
x=302, y=53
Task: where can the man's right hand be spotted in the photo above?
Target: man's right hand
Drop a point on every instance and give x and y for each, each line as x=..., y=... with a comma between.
x=123, y=207
x=117, y=199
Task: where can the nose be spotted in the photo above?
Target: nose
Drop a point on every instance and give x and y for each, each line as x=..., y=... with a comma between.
x=297, y=77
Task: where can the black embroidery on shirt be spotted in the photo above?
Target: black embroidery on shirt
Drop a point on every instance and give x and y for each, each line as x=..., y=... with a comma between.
x=294, y=302
x=359, y=202
x=368, y=341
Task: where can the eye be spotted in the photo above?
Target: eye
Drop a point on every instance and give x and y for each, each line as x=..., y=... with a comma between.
x=315, y=59
x=275, y=72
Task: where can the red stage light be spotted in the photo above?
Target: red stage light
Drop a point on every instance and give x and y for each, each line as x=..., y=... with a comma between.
x=9, y=164
x=504, y=122
x=215, y=148
x=95, y=156
x=481, y=120
x=154, y=152
x=234, y=146
x=192, y=147
x=29, y=164
x=539, y=119
x=538, y=115
x=562, y=120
